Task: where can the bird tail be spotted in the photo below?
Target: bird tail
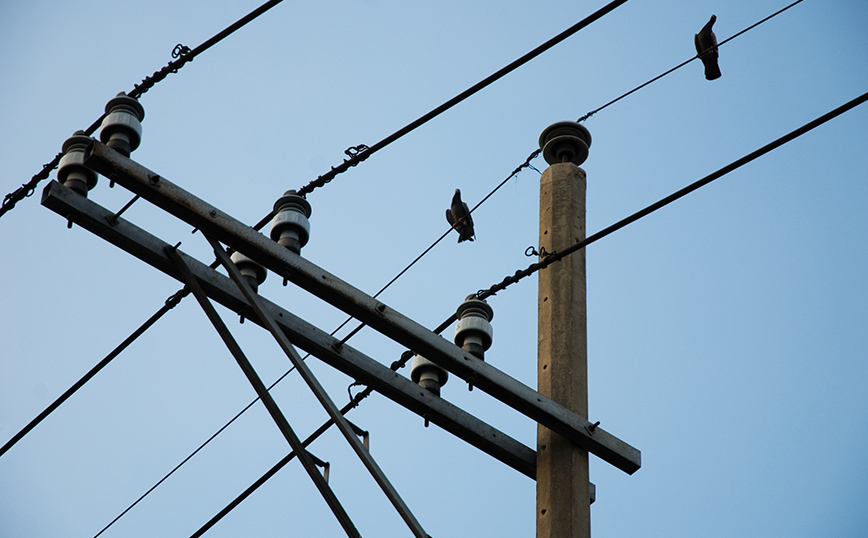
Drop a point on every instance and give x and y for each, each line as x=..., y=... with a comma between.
x=712, y=71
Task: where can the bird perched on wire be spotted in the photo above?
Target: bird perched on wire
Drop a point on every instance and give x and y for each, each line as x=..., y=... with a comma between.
x=458, y=216
x=706, y=49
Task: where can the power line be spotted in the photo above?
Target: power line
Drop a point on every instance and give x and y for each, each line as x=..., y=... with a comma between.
x=359, y=153
x=682, y=64
x=171, y=303
x=190, y=456
x=213, y=436
x=183, y=56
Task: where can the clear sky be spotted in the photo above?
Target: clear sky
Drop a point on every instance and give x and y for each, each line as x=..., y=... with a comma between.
x=727, y=332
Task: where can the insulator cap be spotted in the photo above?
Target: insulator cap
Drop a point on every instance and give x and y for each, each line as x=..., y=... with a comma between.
x=71, y=170
x=428, y=375
x=565, y=141
x=473, y=332
x=122, y=128
x=252, y=271
x=290, y=226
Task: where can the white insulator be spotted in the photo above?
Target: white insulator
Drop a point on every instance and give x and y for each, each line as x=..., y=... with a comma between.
x=427, y=374
x=290, y=226
x=253, y=272
x=122, y=126
x=71, y=171
x=473, y=332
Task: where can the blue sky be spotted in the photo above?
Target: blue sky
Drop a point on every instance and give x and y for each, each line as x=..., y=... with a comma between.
x=727, y=332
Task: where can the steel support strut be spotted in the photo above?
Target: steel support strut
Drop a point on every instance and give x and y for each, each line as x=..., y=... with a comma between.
x=261, y=391
x=320, y=393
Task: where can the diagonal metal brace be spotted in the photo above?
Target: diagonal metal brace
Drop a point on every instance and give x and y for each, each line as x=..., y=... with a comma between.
x=261, y=391
x=318, y=390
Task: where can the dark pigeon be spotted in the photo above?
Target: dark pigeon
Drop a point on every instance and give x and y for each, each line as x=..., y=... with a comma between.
x=706, y=48
x=459, y=218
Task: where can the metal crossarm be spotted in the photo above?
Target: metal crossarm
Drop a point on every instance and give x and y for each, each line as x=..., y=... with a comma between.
x=306, y=460
x=377, y=315
x=143, y=245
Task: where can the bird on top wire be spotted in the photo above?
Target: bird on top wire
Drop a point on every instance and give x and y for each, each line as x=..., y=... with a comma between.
x=706, y=48
x=458, y=216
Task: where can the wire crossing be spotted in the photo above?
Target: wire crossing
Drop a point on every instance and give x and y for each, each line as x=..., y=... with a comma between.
x=183, y=56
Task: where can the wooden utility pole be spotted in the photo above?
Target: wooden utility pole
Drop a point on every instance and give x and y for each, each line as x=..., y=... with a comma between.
x=563, y=500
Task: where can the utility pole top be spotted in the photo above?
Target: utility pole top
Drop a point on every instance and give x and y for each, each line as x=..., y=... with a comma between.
x=565, y=141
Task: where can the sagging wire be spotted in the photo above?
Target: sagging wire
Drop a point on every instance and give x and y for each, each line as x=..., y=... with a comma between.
x=182, y=55
x=170, y=303
x=682, y=64
x=211, y=438
x=188, y=458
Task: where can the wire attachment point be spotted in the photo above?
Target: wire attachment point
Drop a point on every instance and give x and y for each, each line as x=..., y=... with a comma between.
x=180, y=51
x=353, y=152
x=531, y=251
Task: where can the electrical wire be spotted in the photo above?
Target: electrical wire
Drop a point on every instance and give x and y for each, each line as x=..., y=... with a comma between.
x=170, y=303
x=365, y=151
x=185, y=460
x=279, y=465
x=682, y=64
x=183, y=56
